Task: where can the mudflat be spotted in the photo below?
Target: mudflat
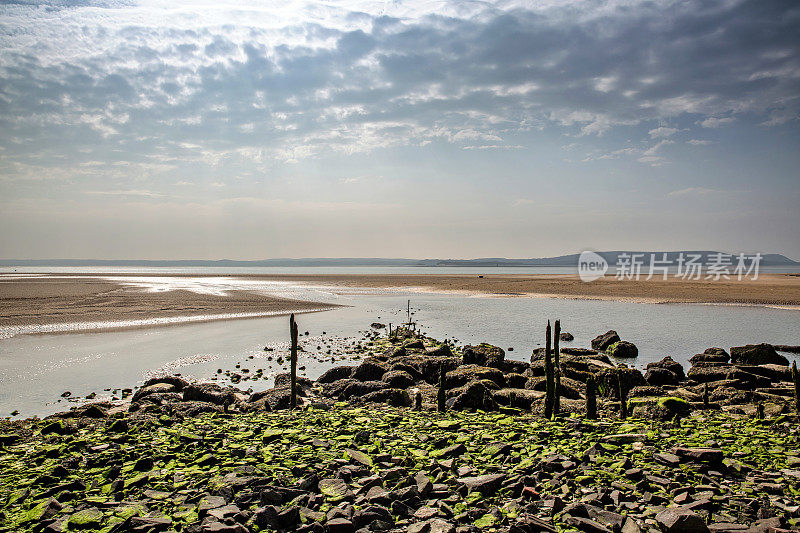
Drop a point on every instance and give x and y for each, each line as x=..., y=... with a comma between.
x=59, y=300
x=87, y=298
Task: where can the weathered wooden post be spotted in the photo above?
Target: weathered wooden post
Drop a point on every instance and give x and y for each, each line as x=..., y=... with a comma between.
x=706, y=397
x=623, y=396
x=796, y=380
x=591, y=398
x=557, y=365
x=441, y=396
x=293, y=360
x=548, y=371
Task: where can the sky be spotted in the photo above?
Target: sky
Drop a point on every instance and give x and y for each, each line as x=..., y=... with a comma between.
x=425, y=129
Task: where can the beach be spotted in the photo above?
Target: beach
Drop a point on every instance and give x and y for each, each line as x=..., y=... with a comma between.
x=72, y=298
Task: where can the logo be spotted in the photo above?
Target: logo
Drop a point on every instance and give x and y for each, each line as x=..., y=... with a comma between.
x=591, y=266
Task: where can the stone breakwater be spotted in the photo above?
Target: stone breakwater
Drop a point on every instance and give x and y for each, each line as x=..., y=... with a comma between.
x=355, y=456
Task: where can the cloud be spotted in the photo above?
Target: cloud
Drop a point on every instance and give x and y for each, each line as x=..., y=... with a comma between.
x=714, y=122
x=700, y=142
x=259, y=85
x=692, y=191
x=662, y=132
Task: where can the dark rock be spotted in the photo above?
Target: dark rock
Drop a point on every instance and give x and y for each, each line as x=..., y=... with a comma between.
x=623, y=349
x=370, y=371
x=208, y=392
x=152, y=389
x=483, y=355
x=475, y=396
x=486, y=484
x=443, y=350
x=680, y=520
x=757, y=354
x=467, y=373
x=177, y=382
x=661, y=376
x=602, y=342
x=339, y=525
x=670, y=364
x=284, y=379
x=398, y=379
x=336, y=373
x=391, y=396
x=566, y=337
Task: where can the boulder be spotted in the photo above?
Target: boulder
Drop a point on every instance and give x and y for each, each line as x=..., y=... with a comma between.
x=208, y=392
x=483, y=355
x=665, y=408
x=670, y=364
x=284, y=379
x=757, y=354
x=336, y=373
x=393, y=397
x=628, y=377
x=467, y=373
x=475, y=396
x=398, y=379
x=517, y=398
x=426, y=368
x=443, y=350
x=658, y=376
x=370, y=370
x=602, y=342
x=708, y=358
x=153, y=388
x=566, y=337
x=623, y=349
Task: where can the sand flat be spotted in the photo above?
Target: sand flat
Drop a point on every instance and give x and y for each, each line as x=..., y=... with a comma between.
x=69, y=298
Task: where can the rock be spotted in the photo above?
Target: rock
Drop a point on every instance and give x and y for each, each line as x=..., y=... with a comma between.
x=336, y=373
x=757, y=354
x=566, y=337
x=335, y=489
x=629, y=377
x=208, y=392
x=680, y=520
x=443, y=350
x=339, y=525
x=711, y=355
x=467, y=373
x=602, y=342
x=664, y=408
x=578, y=351
x=398, y=379
x=377, y=325
x=89, y=518
x=434, y=525
x=152, y=389
x=700, y=455
x=670, y=364
x=284, y=379
x=483, y=355
x=177, y=382
x=623, y=349
x=391, y=396
x=475, y=396
x=486, y=484
x=658, y=377
x=192, y=409
x=370, y=371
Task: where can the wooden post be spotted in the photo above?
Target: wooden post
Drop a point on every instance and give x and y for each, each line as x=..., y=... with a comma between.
x=293, y=360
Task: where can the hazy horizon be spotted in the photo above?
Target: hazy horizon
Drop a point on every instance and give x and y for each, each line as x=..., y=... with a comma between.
x=359, y=128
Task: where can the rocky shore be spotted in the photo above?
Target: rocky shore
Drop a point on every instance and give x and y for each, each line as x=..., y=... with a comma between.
x=716, y=448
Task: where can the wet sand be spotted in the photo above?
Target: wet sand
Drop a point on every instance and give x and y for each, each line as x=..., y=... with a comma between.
x=768, y=289
x=85, y=298
x=71, y=299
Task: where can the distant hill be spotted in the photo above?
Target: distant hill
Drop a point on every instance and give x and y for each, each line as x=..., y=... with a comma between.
x=775, y=260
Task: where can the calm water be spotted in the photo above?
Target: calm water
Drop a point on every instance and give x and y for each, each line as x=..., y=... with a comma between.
x=36, y=369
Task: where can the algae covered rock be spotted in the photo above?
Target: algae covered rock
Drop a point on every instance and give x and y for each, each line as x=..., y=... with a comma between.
x=663, y=408
x=623, y=349
x=466, y=373
x=483, y=355
x=602, y=342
